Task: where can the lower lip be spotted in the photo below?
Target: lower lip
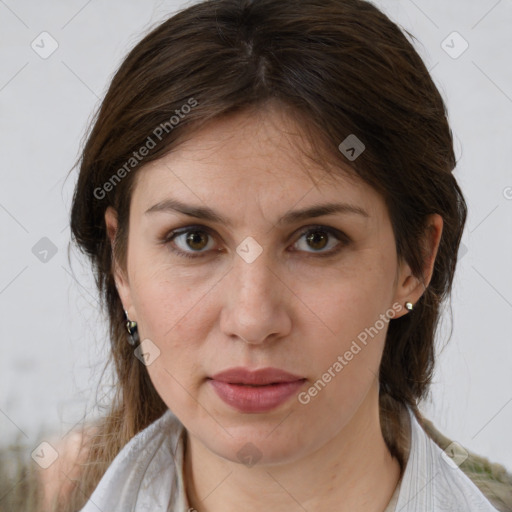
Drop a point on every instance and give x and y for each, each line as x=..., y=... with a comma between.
x=256, y=398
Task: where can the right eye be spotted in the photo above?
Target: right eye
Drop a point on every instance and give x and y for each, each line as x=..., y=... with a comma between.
x=195, y=237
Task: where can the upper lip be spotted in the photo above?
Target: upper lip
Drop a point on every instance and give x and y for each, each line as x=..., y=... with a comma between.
x=241, y=375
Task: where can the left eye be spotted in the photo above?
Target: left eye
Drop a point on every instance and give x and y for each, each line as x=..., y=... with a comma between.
x=316, y=238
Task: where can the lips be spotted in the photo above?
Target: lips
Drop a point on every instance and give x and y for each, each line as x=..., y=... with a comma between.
x=255, y=391
x=259, y=377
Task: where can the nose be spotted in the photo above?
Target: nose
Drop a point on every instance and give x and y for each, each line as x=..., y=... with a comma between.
x=256, y=302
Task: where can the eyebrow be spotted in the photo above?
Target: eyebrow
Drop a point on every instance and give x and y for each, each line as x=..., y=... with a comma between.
x=206, y=213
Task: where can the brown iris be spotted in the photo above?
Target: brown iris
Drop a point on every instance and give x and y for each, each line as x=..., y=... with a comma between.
x=194, y=237
x=315, y=237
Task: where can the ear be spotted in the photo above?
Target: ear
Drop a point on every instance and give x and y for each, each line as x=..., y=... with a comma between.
x=120, y=278
x=410, y=288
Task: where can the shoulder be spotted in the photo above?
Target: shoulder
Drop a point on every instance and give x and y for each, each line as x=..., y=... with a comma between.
x=58, y=480
x=152, y=459
x=486, y=478
x=463, y=477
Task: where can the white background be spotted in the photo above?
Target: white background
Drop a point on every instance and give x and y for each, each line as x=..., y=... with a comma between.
x=53, y=338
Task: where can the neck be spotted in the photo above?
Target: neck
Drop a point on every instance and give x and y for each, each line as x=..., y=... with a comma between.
x=354, y=471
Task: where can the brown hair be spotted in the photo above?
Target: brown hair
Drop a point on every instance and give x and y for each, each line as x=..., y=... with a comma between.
x=339, y=67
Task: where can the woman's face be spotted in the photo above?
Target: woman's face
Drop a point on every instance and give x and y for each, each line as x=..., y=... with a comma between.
x=259, y=287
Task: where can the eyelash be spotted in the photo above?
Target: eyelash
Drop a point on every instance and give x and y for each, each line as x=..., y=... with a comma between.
x=338, y=235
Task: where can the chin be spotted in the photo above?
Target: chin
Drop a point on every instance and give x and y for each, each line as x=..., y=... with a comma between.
x=250, y=445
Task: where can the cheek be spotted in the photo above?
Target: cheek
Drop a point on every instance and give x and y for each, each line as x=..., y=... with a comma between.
x=173, y=318
x=173, y=314
x=167, y=299
x=174, y=328
x=346, y=324
x=344, y=301
x=343, y=369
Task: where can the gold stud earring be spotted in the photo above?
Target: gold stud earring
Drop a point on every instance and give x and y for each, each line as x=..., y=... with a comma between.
x=409, y=306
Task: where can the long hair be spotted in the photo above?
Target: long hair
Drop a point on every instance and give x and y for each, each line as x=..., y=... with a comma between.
x=340, y=68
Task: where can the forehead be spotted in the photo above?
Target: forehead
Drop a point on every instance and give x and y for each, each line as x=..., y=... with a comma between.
x=249, y=156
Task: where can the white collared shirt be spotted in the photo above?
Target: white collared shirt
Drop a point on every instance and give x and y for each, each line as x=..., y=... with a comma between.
x=147, y=476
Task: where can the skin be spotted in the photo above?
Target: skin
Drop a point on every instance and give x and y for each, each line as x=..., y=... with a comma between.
x=289, y=308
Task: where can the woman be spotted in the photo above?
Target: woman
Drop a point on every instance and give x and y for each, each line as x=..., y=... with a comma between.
x=268, y=203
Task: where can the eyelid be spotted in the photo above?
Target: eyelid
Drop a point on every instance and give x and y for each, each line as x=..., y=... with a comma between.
x=169, y=236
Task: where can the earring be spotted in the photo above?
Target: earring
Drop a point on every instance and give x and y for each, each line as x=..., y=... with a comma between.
x=409, y=306
x=131, y=327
